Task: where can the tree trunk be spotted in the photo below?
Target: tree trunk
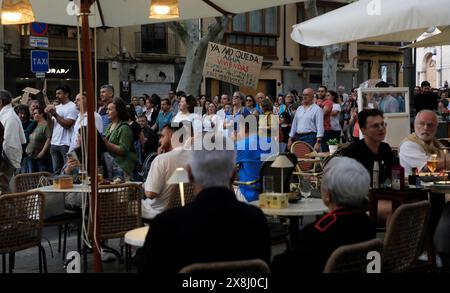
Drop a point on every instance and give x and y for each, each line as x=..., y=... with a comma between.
x=331, y=54
x=188, y=32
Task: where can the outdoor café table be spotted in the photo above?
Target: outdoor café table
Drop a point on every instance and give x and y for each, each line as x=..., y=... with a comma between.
x=304, y=207
x=135, y=237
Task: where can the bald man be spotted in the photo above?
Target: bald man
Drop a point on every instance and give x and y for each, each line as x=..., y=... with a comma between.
x=308, y=122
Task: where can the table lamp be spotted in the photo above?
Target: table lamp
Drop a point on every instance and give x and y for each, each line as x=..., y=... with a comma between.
x=282, y=162
x=179, y=176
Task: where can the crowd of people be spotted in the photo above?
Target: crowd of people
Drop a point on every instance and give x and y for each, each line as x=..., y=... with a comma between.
x=48, y=136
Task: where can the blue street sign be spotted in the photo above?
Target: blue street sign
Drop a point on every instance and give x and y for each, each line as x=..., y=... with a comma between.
x=39, y=61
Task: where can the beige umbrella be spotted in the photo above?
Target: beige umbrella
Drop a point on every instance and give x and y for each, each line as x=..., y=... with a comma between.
x=373, y=20
x=441, y=39
x=119, y=13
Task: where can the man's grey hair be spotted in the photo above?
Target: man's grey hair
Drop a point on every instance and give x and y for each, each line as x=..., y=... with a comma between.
x=423, y=112
x=213, y=168
x=5, y=97
x=347, y=180
x=109, y=87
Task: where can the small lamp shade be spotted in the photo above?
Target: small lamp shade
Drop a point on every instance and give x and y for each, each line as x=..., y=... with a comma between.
x=16, y=12
x=164, y=9
x=282, y=162
x=178, y=176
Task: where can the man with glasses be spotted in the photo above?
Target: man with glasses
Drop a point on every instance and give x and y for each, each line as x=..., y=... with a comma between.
x=372, y=148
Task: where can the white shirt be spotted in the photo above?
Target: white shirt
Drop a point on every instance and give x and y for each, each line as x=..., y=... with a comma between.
x=61, y=135
x=77, y=126
x=335, y=125
x=14, y=136
x=195, y=119
x=160, y=171
x=207, y=125
x=309, y=120
x=412, y=155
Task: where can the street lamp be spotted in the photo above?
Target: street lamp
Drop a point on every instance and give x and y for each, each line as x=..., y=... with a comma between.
x=164, y=9
x=16, y=12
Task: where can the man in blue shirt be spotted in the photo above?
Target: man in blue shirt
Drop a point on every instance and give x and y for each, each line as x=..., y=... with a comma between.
x=165, y=116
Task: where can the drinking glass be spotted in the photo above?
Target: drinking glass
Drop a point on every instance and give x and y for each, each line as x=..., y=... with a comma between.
x=432, y=163
x=305, y=189
x=268, y=184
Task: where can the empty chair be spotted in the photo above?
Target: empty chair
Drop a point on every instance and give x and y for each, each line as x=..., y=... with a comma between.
x=119, y=210
x=238, y=266
x=21, y=221
x=405, y=235
x=29, y=181
x=352, y=258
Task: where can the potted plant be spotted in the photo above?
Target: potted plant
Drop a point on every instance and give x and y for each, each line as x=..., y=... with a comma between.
x=332, y=145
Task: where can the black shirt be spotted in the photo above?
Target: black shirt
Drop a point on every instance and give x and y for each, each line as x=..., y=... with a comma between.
x=361, y=152
x=317, y=241
x=214, y=227
x=428, y=101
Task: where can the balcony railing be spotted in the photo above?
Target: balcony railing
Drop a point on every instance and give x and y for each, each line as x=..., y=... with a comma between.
x=157, y=44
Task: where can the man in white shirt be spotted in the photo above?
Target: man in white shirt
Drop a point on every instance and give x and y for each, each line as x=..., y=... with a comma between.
x=156, y=188
x=81, y=106
x=62, y=118
x=307, y=125
x=13, y=138
x=417, y=147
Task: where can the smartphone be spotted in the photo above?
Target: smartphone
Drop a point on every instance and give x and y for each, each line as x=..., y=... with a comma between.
x=72, y=156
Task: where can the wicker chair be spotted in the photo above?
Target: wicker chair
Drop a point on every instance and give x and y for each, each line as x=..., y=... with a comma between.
x=338, y=153
x=239, y=266
x=306, y=170
x=405, y=237
x=175, y=198
x=352, y=258
x=29, y=181
x=119, y=210
x=21, y=221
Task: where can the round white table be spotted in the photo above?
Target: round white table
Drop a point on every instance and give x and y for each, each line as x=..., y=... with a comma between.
x=305, y=207
x=135, y=237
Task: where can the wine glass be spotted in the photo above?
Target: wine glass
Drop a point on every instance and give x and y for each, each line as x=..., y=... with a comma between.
x=305, y=189
x=432, y=163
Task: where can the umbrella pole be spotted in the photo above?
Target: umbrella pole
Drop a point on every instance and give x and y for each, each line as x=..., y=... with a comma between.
x=92, y=133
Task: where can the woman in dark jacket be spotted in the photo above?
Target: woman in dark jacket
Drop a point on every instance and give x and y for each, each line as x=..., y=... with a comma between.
x=344, y=191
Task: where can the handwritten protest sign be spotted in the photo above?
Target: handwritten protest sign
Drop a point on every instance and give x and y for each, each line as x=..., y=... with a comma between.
x=232, y=65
